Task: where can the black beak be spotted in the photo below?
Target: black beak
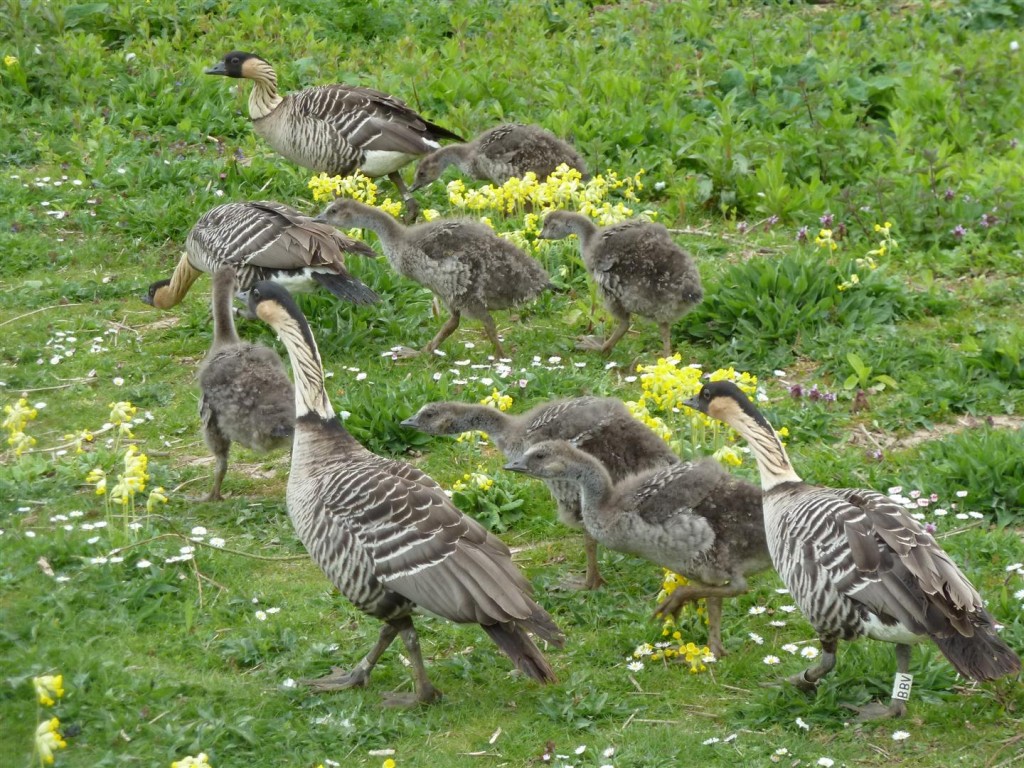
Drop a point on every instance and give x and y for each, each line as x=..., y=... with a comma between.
x=693, y=402
x=216, y=69
x=147, y=299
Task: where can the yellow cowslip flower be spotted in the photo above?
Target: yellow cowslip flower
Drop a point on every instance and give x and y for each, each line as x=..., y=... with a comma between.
x=80, y=437
x=49, y=688
x=728, y=456
x=824, y=240
x=135, y=463
x=48, y=739
x=389, y=763
x=10, y=61
x=156, y=496
x=199, y=761
x=20, y=442
x=483, y=482
x=497, y=400
x=429, y=214
x=18, y=415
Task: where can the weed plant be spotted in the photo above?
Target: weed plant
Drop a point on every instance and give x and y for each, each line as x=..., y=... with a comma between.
x=848, y=179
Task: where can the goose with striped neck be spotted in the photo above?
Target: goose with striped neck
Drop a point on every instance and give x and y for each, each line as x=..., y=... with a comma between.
x=265, y=241
x=335, y=129
x=387, y=535
x=858, y=565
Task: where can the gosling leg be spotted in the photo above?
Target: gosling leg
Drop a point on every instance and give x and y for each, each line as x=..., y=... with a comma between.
x=412, y=208
x=594, y=578
x=446, y=330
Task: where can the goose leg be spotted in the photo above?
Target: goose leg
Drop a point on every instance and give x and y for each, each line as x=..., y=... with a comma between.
x=666, y=339
x=425, y=693
x=594, y=579
x=446, y=330
x=492, y=334
x=412, y=208
x=807, y=680
x=340, y=679
x=897, y=707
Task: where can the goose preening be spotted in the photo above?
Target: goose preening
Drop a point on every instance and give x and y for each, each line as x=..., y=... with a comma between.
x=265, y=241
x=858, y=565
x=387, y=535
x=467, y=266
x=691, y=517
x=502, y=153
x=638, y=270
x=602, y=426
x=246, y=395
x=335, y=129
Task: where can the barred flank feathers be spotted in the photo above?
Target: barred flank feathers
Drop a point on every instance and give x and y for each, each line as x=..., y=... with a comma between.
x=516, y=644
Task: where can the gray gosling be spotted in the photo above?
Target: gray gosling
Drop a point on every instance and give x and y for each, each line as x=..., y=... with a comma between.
x=508, y=151
x=638, y=270
x=265, y=241
x=601, y=426
x=858, y=565
x=470, y=269
x=335, y=129
x=692, y=517
x=246, y=396
x=388, y=537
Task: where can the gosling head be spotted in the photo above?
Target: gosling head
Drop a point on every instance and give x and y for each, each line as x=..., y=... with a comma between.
x=241, y=64
x=430, y=168
x=342, y=213
x=434, y=419
x=558, y=225
x=546, y=460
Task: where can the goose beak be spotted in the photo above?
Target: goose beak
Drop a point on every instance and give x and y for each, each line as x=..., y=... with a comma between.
x=693, y=402
x=516, y=466
x=147, y=299
x=216, y=69
x=410, y=423
x=321, y=218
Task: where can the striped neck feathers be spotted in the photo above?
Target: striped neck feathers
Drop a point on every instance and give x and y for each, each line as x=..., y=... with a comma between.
x=310, y=394
x=224, y=333
x=772, y=461
x=264, y=98
x=171, y=294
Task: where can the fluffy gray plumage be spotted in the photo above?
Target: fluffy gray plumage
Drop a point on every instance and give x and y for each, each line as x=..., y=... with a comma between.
x=638, y=270
x=601, y=426
x=265, y=241
x=508, y=151
x=691, y=517
x=468, y=267
x=335, y=129
x=858, y=565
x=387, y=535
x=246, y=396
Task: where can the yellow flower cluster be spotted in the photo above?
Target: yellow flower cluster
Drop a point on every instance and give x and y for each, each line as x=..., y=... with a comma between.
x=497, y=400
x=654, y=423
x=121, y=414
x=48, y=739
x=78, y=439
x=199, y=761
x=847, y=284
x=16, y=419
x=885, y=245
x=357, y=186
x=10, y=61
x=824, y=240
x=693, y=654
x=476, y=479
x=49, y=688
x=134, y=478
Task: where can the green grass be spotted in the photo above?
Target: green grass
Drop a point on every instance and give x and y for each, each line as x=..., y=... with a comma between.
x=751, y=121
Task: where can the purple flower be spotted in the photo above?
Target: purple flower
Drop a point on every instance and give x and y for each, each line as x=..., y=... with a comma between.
x=840, y=232
x=988, y=220
x=958, y=231
x=796, y=391
x=830, y=397
x=814, y=394
x=801, y=235
x=930, y=527
x=741, y=227
x=826, y=219
x=770, y=222
x=948, y=195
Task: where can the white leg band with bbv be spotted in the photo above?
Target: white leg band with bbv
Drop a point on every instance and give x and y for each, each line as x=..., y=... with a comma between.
x=901, y=686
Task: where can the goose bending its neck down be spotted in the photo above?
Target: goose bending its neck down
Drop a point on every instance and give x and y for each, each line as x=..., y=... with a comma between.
x=335, y=129
x=858, y=565
x=387, y=535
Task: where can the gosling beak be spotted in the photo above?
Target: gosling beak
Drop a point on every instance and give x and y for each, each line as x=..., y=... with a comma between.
x=410, y=423
x=216, y=69
x=516, y=466
x=321, y=218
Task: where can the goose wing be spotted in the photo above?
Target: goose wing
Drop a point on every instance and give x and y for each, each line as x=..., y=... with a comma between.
x=426, y=550
x=285, y=239
x=885, y=560
x=368, y=119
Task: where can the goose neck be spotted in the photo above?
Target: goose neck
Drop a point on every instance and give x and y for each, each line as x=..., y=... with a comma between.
x=772, y=460
x=310, y=394
x=264, y=97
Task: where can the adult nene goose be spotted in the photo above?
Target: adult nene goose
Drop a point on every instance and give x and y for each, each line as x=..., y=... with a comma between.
x=858, y=565
x=388, y=536
x=466, y=265
x=601, y=426
x=638, y=269
x=246, y=395
x=691, y=517
x=335, y=129
x=265, y=241
x=502, y=153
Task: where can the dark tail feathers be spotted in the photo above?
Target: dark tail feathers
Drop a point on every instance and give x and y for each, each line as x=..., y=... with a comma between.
x=346, y=287
x=513, y=641
x=982, y=657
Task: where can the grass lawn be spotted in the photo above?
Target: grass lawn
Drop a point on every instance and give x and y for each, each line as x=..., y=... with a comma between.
x=847, y=177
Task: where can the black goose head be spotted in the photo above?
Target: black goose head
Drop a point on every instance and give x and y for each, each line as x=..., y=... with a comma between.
x=233, y=64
